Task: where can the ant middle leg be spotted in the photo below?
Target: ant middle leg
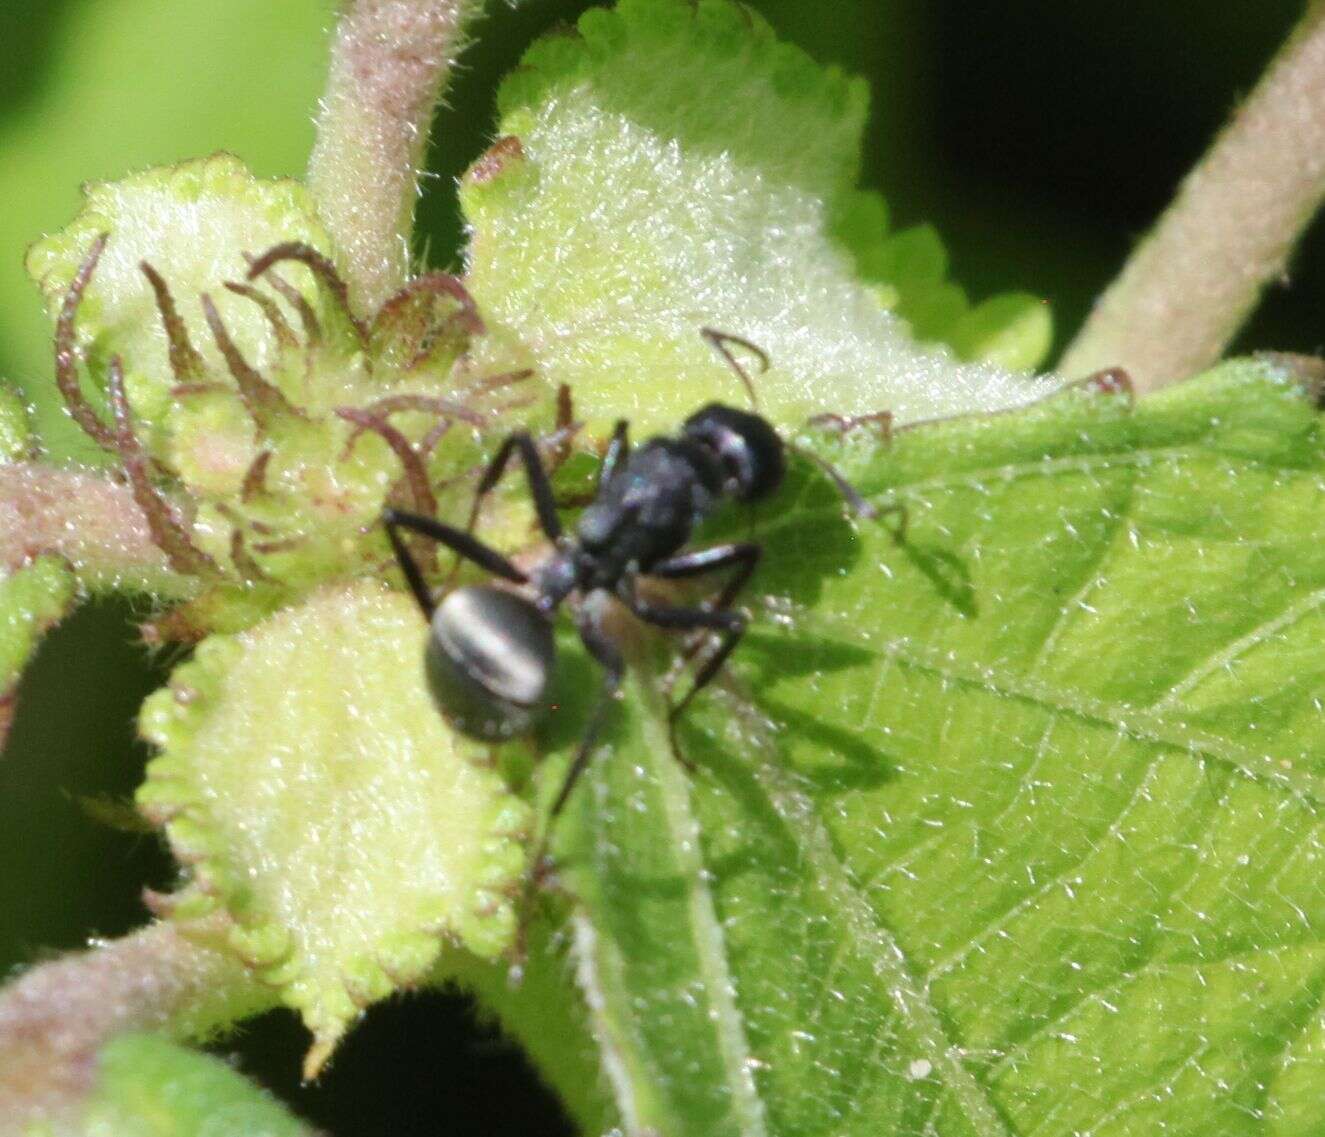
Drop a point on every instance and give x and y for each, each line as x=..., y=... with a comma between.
x=744, y=556
x=463, y=544
x=728, y=623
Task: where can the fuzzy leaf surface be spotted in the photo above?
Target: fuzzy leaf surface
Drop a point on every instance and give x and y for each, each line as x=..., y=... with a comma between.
x=673, y=167
x=1010, y=827
x=309, y=783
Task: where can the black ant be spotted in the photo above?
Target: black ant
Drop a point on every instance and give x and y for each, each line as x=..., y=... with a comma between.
x=490, y=651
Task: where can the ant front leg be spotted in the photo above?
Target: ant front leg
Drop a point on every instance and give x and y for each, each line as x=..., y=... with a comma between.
x=540, y=485
x=463, y=544
x=618, y=450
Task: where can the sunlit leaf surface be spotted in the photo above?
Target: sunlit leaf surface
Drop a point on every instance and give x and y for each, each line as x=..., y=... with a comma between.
x=672, y=166
x=1008, y=827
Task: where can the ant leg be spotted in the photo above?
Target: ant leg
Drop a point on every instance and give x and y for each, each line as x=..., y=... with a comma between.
x=609, y=656
x=618, y=450
x=729, y=623
x=539, y=484
x=744, y=556
x=605, y=651
x=859, y=506
x=464, y=545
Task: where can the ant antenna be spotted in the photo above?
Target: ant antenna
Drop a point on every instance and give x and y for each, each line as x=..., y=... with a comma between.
x=720, y=342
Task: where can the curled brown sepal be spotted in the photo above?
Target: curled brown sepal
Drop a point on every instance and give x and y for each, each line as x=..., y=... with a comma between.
x=434, y=404
x=297, y=300
x=169, y=536
x=280, y=327
x=321, y=267
x=185, y=362
x=397, y=309
x=66, y=350
x=415, y=474
x=264, y=401
x=248, y=568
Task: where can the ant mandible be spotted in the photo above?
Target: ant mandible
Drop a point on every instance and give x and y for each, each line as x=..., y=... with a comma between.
x=490, y=651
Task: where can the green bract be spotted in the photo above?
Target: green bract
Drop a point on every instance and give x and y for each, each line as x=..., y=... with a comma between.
x=284, y=420
x=674, y=166
x=149, y=1087
x=309, y=783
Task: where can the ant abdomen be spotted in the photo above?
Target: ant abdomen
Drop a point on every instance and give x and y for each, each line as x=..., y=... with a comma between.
x=489, y=660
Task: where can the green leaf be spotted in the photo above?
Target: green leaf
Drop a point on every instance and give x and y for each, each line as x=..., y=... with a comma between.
x=1011, y=825
x=309, y=784
x=148, y=1086
x=674, y=166
x=1014, y=330
x=31, y=600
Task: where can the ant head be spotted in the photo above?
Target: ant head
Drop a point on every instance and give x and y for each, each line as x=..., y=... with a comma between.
x=489, y=658
x=748, y=448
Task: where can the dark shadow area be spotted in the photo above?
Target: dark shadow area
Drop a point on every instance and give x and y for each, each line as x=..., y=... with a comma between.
x=420, y=1064
x=68, y=876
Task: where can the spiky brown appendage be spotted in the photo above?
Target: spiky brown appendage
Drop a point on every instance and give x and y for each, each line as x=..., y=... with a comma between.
x=66, y=350
x=185, y=361
x=322, y=268
x=264, y=401
x=167, y=533
x=280, y=327
x=416, y=475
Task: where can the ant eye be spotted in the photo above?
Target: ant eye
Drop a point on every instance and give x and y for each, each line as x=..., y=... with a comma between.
x=489, y=659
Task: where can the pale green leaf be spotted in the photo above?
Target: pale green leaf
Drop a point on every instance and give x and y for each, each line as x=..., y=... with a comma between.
x=309, y=784
x=1010, y=826
x=674, y=166
x=147, y=1086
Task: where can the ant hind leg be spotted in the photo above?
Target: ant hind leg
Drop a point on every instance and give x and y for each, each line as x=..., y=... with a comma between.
x=464, y=545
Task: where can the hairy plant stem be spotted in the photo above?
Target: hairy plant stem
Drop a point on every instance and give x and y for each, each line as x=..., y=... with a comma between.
x=55, y=1018
x=1187, y=289
x=90, y=520
x=389, y=62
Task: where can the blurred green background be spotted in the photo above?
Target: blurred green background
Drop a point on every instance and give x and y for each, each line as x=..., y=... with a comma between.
x=1040, y=137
